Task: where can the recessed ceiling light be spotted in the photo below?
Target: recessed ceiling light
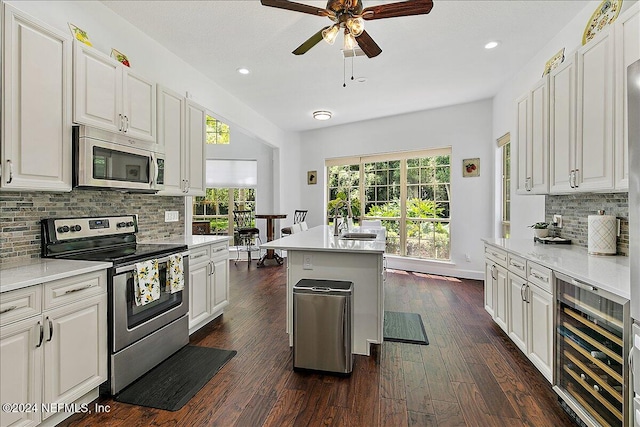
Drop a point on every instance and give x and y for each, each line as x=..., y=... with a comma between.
x=243, y=71
x=322, y=115
x=491, y=45
x=361, y=79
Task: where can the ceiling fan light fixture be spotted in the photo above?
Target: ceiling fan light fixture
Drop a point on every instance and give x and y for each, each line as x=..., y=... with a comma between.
x=355, y=26
x=330, y=34
x=349, y=41
x=322, y=115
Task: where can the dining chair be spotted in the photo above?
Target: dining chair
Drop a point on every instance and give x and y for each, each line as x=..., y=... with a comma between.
x=298, y=217
x=295, y=228
x=247, y=234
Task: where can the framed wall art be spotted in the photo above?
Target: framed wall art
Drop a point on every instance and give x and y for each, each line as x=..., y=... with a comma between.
x=312, y=177
x=470, y=167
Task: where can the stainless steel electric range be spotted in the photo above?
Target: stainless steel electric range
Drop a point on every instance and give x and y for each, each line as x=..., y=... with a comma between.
x=140, y=337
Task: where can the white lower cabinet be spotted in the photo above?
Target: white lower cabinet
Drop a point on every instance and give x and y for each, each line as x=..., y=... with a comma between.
x=209, y=283
x=495, y=285
x=527, y=312
x=52, y=352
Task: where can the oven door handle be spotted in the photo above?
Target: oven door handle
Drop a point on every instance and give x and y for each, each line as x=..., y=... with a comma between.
x=132, y=267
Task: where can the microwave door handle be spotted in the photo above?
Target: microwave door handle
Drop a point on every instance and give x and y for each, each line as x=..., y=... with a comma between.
x=155, y=170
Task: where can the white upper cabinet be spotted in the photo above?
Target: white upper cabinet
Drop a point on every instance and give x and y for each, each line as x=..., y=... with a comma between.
x=181, y=136
x=195, y=159
x=627, y=42
x=533, y=139
x=594, y=109
x=107, y=95
x=171, y=130
x=562, y=126
x=36, y=105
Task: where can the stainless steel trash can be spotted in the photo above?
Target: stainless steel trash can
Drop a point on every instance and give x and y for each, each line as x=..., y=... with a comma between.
x=323, y=325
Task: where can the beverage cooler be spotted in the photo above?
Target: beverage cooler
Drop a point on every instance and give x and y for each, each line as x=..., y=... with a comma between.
x=592, y=347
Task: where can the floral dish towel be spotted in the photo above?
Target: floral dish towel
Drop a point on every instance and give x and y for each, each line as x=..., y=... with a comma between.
x=175, y=274
x=146, y=282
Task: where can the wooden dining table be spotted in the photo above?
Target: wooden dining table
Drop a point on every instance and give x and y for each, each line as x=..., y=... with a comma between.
x=270, y=254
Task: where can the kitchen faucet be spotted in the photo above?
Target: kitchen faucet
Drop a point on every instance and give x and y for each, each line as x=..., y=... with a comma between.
x=340, y=204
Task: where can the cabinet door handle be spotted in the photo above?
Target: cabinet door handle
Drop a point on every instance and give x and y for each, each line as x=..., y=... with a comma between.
x=121, y=123
x=516, y=265
x=10, y=167
x=575, y=178
x=212, y=269
x=493, y=268
x=50, y=329
x=8, y=309
x=126, y=123
x=522, y=288
x=539, y=277
x=70, y=291
x=41, y=334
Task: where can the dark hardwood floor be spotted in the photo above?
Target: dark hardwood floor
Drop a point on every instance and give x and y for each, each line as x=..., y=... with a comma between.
x=469, y=375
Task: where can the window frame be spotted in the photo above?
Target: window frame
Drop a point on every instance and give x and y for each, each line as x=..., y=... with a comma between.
x=504, y=144
x=403, y=157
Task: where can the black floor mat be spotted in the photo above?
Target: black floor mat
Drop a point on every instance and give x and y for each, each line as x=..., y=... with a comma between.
x=172, y=383
x=404, y=327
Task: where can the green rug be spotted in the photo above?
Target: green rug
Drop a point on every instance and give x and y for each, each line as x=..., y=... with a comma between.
x=404, y=327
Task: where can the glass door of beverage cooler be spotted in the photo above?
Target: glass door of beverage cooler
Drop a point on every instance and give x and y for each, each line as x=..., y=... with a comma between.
x=591, y=350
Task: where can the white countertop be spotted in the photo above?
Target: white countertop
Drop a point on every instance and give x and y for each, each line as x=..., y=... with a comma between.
x=194, y=241
x=610, y=273
x=44, y=270
x=321, y=238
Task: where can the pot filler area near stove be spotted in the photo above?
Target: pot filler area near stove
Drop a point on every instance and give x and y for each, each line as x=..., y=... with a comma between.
x=147, y=286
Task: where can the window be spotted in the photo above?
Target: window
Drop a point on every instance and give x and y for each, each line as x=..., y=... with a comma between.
x=230, y=186
x=409, y=192
x=505, y=146
x=214, y=207
x=217, y=132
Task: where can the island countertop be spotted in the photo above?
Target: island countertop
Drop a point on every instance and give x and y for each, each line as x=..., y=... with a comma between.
x=321, y=238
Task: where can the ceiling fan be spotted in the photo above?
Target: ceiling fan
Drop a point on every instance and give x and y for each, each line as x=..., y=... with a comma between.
x=350, y=15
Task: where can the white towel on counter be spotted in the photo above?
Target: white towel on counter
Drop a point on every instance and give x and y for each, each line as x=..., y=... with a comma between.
x=146, y=281
x=175, y=274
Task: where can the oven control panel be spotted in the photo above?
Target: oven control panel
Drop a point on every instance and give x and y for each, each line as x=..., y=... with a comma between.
x=77, y=228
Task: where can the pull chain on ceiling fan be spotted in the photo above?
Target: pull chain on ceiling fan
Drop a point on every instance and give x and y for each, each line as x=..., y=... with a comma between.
x=350, y=15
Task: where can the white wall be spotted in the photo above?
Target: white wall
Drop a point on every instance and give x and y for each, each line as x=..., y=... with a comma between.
x=526, y=209
x=467, y=128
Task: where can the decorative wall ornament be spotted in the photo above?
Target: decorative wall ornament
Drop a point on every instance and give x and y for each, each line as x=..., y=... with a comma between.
x=552, y=63
x=470, y=167
x=605, y=14
x=120, y=57
x=79, y=34
x=312, y=177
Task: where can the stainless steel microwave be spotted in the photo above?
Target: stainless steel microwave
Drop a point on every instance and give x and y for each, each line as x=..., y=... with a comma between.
x=106, y=160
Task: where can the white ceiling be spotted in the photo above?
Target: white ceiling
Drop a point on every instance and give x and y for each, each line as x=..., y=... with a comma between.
x=427, y=61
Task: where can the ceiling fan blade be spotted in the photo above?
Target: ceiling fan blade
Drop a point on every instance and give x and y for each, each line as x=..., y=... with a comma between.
x=403, y=8
x=368, y=46
x=311, y=42
x=296, y=7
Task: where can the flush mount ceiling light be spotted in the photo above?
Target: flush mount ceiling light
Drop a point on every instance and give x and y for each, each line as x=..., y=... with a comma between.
x=243, y=71
x=491, y=45
x=322, y=115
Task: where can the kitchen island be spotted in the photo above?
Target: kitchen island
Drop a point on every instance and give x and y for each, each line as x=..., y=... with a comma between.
x=318, y=254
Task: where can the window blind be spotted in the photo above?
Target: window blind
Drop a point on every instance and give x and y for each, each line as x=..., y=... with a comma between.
x=232, y=173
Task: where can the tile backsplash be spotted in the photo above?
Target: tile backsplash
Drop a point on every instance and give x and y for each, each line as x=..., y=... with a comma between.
x=575, y=208
x=20, y=215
